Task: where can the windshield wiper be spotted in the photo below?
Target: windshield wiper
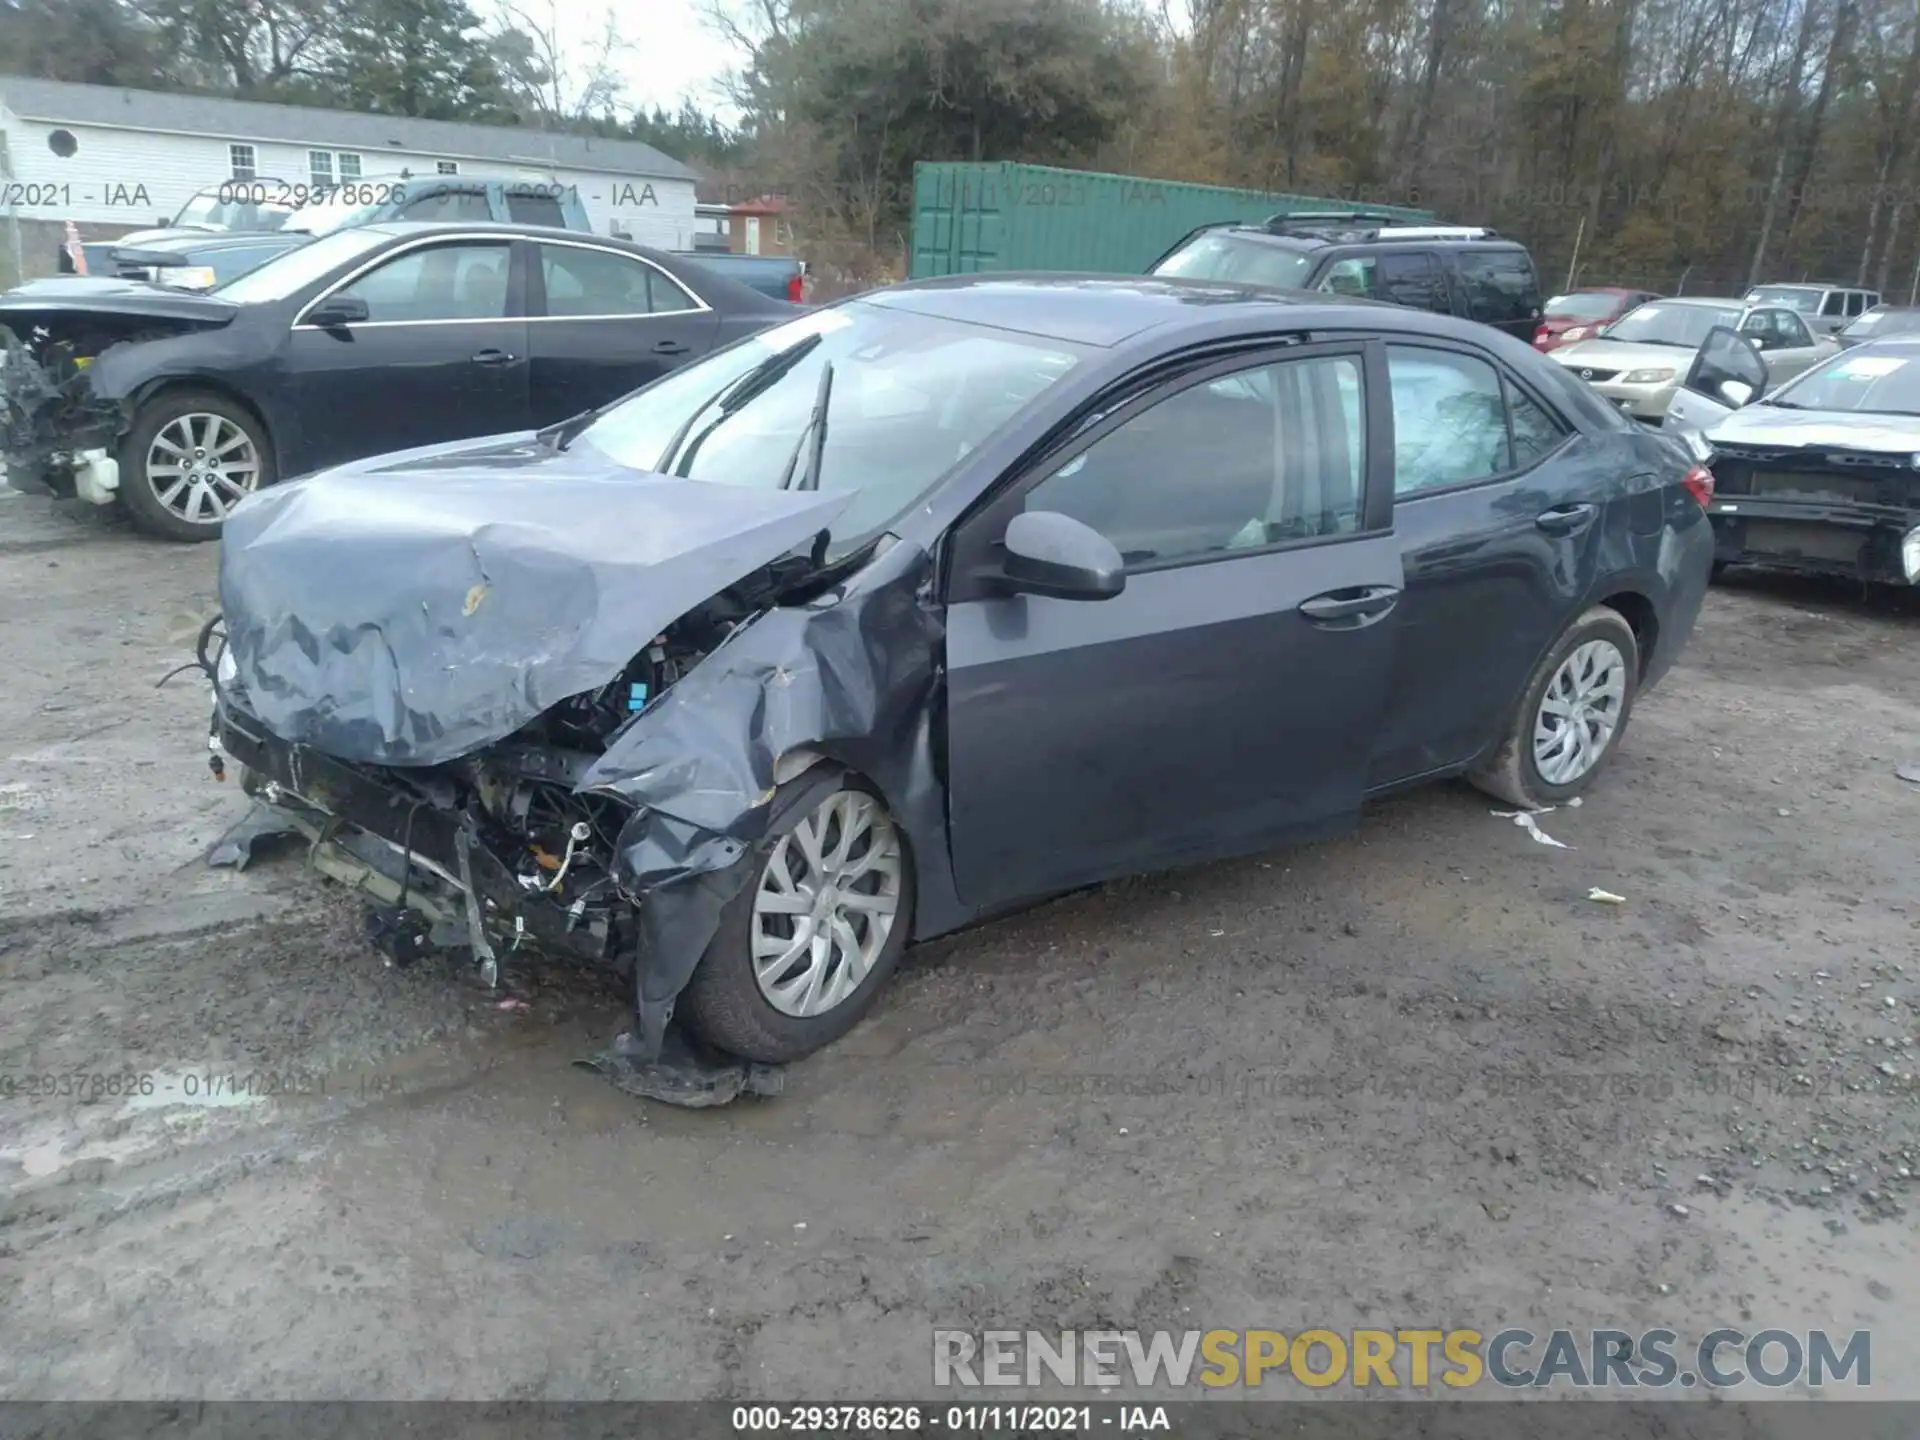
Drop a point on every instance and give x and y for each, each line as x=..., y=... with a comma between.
x=813, y=439
x=756, y=381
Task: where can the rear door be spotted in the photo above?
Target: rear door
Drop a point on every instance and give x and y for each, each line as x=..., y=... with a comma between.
x=1792, y=348
x=606, y=322
x=1412, y=278
x=1499, y=527
x=1230, y=695
x=442, y=355
x=1498, y=287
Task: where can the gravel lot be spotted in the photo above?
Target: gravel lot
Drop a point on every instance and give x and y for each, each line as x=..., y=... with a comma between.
x=1412, y=1077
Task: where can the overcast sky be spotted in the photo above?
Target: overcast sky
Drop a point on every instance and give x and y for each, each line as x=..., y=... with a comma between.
x=670, y=53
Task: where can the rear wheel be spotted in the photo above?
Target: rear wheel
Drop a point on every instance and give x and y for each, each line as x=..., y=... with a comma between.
x=191, y=456
x=1569, y=719
x=802, y=951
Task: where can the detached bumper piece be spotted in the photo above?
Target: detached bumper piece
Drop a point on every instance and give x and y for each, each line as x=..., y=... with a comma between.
x=1862, y=522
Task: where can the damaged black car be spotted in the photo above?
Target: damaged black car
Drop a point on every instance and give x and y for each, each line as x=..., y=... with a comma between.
x=1823, y=475
x=932, y=603
x=177, y=404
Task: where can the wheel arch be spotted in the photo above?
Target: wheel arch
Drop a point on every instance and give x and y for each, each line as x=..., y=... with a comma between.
x=156, y=389
x=1637, y=608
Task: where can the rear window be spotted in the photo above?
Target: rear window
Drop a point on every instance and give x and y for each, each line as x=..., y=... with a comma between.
x=1499, y=285
x=535, y=210
x=1221, y=255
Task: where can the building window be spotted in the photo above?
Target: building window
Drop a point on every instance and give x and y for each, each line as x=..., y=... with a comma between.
x=349, y=166
x=240, y=159
x=446, y=167
x=320, y=168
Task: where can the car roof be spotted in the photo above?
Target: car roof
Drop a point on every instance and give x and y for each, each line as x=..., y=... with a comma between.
x=1106, y=310
x=494, y=227
x=1819, y=285
x=1718, y=302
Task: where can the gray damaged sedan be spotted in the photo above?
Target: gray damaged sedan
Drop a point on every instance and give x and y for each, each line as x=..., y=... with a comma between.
x=929, y=604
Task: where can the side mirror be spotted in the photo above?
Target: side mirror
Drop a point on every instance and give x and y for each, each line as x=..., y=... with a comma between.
x=1736, y=392
x=337, y=311
x=1055, y=555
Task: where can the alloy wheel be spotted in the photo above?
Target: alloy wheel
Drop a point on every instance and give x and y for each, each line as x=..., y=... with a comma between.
x=201, y=465
x=1579, y=712
x=826, y=903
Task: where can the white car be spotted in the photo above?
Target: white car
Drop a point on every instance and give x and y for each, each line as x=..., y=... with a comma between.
x=1639, y=361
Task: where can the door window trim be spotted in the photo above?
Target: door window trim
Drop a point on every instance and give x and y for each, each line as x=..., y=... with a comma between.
x=537, y=275
x=1509, y=382
x=511, y=243
x=974, y=536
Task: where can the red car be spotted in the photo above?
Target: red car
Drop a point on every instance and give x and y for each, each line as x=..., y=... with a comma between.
x=1579, y=314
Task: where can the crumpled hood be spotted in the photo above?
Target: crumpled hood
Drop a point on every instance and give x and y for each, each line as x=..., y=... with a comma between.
x=410, y=609
x=1769, y=425
x=1604, y=354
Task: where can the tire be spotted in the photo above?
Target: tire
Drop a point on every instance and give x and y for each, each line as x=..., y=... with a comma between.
x=175, y=414
x=726, y=1002
x=1514, y=774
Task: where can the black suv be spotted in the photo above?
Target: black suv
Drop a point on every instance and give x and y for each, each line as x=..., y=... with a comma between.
x=1467, y=271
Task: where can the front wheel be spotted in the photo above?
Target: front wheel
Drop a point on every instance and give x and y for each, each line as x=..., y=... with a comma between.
x=1570, y=716
x=802, y=951
x=191, y=456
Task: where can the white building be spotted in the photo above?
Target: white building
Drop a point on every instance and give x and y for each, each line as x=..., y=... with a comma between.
x=130, y=159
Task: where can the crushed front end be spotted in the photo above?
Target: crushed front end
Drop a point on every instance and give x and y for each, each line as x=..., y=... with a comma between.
x=59, y=436
x=1829, y=510
x=491, y=852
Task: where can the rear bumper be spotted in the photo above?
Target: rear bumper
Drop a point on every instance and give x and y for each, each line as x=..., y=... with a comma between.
x=384, y=837
x=1859, y=541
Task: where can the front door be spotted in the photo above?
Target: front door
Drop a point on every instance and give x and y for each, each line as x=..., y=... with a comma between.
x=606, y=322
x=1228, y=698
x=441, y=356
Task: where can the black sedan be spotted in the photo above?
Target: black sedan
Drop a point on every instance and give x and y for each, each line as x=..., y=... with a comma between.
x=364, y=341
x=934, y=601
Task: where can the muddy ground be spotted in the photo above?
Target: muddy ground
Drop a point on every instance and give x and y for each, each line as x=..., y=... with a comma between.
x=1412, y=1077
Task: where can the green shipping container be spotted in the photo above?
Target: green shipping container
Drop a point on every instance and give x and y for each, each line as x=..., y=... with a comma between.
x=969, y=218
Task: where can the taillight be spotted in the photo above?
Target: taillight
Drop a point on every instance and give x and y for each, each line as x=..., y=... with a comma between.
x=1699, y=483
x=1542, y=334
x=797, y=289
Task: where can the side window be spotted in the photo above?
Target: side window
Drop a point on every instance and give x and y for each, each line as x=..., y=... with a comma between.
x=441, y=282
x=1835, y=303
x=1449, y=419
x=447, y=205
x=1499, y=285
x=525, y=209
x=666, y=296
x=1411, y=279
x=1792, y=329
x=1350, y=277
x=1259, y=457
x=593, y=282
x=1536, y=434
x=1759, y=326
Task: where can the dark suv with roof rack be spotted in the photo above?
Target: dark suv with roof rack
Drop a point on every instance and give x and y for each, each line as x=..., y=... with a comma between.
x=1469, y=271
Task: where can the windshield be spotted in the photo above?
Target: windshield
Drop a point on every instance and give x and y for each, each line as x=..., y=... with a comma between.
x=1807, y=302
x=1217, y=255
x=910, y=397
x=1584, y=305
x=233, y=213
x=288, y=274
x=1863, y=381
x=1883, y=322
x=1682, y=325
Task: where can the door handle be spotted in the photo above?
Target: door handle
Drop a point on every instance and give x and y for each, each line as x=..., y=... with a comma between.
x=493, y=357
x=1357, y=602
x=1566, y=519
x=669, y=347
